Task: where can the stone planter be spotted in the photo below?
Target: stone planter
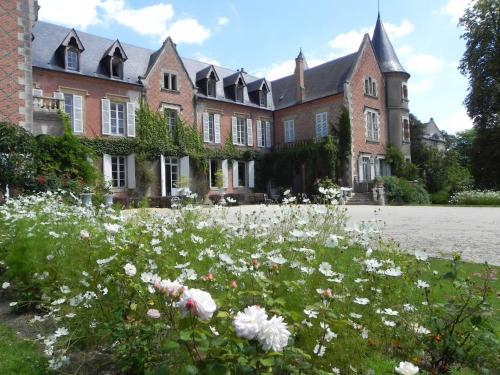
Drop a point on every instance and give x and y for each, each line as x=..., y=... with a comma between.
x=86, y=198
x=108, y=200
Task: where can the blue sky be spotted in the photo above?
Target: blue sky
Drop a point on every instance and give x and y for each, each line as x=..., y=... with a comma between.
x=265, y=36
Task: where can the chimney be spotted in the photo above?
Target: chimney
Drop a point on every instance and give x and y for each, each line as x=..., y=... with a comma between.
x=299, y=77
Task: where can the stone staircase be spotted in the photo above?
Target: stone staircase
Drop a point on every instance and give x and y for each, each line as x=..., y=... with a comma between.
x=360, y=199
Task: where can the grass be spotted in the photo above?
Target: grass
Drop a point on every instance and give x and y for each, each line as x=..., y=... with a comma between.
x=19, y=356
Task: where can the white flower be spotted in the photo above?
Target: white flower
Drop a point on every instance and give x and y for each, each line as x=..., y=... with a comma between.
x=335, y=370
x=390, y=311
x=355, y=316
x=420, y=255
x=130, y=269
x=274, y=334
x=153, y=314
x=422, y=284
x=406, y=368
x=326, y=269
x=6, y=285
x=249, y=322
x=171, y=288
x=395, y=272
x=65, y=289
x=420, y=330
x=198, y=303
x=319, y=350
x=408, y=308
x=388, y=323
x=361, y=301
x=84, y=234
x=311, y=314
x=112, y=228
x=61, y=332
x=332, y=240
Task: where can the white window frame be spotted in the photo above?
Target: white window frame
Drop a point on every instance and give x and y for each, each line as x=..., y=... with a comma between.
x=116, y=130
x=211, y=172
x=372, y=86
x=372, y=127
x=289, y=131
x=73, y=50
x=404, y=139
x=118, y=165
x=321, y=124
x=172, y=161
x=168, y=81
x=241, y=130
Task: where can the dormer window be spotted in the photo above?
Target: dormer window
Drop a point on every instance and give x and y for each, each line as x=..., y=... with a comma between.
x=263, y=98
x=72, y=48
x=211, y=86
x=116, y=68
x=239, y=91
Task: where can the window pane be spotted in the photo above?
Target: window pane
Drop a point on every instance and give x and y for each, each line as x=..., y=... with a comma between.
x=68, y=106
x=72, y=60
x=211, y=127
x=241, y=174
x=173, y=80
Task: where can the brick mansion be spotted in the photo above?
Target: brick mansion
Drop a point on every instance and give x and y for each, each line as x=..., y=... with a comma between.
x=100, y=83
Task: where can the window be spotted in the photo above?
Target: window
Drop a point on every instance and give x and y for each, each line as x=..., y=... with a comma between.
x=365, y=169
x=211, y=87
x=116, y=67
x=211, y=127
x=68, y=106
x=213, y=168
x=117, y=114
x=72, y=55
x=170, y=81
x=239, y=91
x=289, y=131
x=404, y=91
x=241, y=131
x=263, y=134
x=372, y=131
x=321, y=124
x=171, y=116
x=118, y=171
x=406, y=129
x=370, y=86
x=241, y=173
x=381, y=167
x=171, y=173
x=263, y=98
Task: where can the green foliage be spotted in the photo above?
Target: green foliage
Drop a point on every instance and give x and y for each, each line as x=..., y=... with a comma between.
x=462, y=144
x=344, y=141
x=440, y=197
x=476, y=198
x=400, y=167
x=401, y=191
x=152, y=132
x=485, y=156
x=111, y=145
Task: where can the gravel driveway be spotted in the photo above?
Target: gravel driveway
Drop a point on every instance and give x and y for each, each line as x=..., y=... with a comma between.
x=440, y=231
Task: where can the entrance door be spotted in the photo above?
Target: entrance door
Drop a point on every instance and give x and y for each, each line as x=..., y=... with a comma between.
x=171, y=175
x=365, y=165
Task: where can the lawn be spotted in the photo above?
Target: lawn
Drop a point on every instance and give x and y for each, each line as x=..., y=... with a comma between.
x=297, y=293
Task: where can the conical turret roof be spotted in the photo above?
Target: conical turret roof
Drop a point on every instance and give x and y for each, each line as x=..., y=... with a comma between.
x=384, y=50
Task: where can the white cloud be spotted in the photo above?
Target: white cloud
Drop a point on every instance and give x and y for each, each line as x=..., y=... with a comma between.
x=77, y=14
x=455, y=122
x=400, y=31
x=404, y=50
x=455, y=8
x=424, y=64
x=200, y=57
x=417, y=87
x=221, y=21
x=188, y=31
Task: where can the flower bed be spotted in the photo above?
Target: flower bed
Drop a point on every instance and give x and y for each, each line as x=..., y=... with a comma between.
x=476, y=197
x=296, y=293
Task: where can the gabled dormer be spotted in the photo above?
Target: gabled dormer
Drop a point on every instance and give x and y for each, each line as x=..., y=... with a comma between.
x=70, y=50
x=234, y=87
x=114, y=59
x=206, y=80
x=258, y=91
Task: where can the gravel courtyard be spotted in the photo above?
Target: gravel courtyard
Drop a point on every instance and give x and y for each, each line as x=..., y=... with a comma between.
x=440, y=231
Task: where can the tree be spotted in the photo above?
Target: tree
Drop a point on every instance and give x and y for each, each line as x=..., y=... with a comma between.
x=481, y=64
x=461, y=143
x=417, y=147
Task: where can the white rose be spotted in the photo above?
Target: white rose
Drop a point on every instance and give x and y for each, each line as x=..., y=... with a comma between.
x=153, y=314
x=247, y=324
x=130, y=269
x=6, y=285
x=274, y=334
x=406, y=368
x=198, y=303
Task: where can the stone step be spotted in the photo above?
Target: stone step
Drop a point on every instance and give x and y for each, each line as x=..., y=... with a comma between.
x=360, y=199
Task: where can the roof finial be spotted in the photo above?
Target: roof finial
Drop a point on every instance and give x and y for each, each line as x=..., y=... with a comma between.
x=301, y=55
x=378, y=2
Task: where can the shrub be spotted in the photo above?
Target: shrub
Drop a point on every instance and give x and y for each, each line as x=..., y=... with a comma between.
x=440, y=197
x=400, y=191
x=477, y=197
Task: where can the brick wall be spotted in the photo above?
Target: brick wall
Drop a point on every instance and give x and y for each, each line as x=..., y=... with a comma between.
x=16, y=19
x=169, y=61
x=92, y=90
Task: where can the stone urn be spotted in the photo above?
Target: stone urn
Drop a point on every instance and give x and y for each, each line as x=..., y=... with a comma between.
x=108, y=200
x=86, y=199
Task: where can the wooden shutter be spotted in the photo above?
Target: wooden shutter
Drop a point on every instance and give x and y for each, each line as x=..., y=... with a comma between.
x=260, y=142
x=225, y=176
x=249, y=132
x=162, y=176
x=291, y=131
x=251, y=174
x=375, y=125
x=360, y=169
x=77, y=114
x=235, y=173
x=131, y=119
x=184, y=168
x=131, y=171
x=318, y=125
x=206, y=130
x=106, y=116
x=234, y=129
x=216, y=128
x=106, y=168
x=325, y=124
x=268, y=134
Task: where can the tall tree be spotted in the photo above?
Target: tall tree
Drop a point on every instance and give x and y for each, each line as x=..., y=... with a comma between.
x=481, y=64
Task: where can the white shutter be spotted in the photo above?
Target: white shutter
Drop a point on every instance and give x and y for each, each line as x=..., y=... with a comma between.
x=318, y=125
x=260, y=142
x=131, y=119
x=106, y=168
x=77, y=114
x=131, y=171
x=361, y=177
x=184, y=168
x=268, y=134
x=372, y=168
x=206, y=130
x=235, y=173
x=234, y=129
x=377, y=127
x=162, y=176
x=224, y=173
x=251, y=174
x=216, y=128
x=377, y=167
x=291, y=131
x=249, y=132
x=325, y=124
x=106, y=116
x=37, y=92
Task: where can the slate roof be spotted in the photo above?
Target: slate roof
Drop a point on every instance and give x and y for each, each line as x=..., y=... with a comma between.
x=432, y=132
x=322, y=80
x=386, y=56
